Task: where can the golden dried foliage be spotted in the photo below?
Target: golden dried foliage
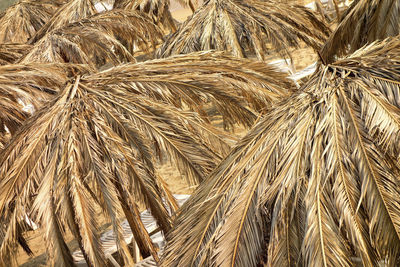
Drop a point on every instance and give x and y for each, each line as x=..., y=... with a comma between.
x=28, y=84
x=10, y=53
x=109, y=37
x=364, y=22
x=158, y=10
x=246, y=28
x=97, y=141
x=21, y=21
x=72, y=11
x=314, y=183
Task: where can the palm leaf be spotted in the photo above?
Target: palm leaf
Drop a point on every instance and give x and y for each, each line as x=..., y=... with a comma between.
x=246, y=28
x=152, y=3
x=207, y=76
x=24, y=85
x=97, y=142
x=83, y=151
x=22, y=20
x=72, y=11
x=314, y=183
x=109, y=37
x=158, y=10
x=364, y=22
x=9, y=53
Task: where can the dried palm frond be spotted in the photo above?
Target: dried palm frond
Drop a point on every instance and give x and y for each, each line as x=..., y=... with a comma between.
x=216, y=74
x=189, y=82
x=246, y=28
x=9, y=53
x=330, y=10
x=20, y=21
x=364, y=22
x=25, y=85
x=112, y=36
x=70, y=12
x=315, y=183
x=158, y=10
x=150, y=4
x=96, y=144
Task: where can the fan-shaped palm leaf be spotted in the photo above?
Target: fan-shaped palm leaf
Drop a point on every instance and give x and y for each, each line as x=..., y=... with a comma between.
x=110, y=36
x=70, y=12
x=20, y=21
x=28, y=85
x=9, y=53
x=246, y=28
x=158, y=10
x=364, y=22
x=97, y=141
x=315, y=183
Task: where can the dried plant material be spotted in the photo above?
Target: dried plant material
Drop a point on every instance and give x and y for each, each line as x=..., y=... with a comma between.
x=9, y=53
x=257, y=84
x=109, y=37
x=72, y=11
x=314, y=183
x=21, y=21
x=246, y=28
x=151, y=4
x=365, y=21
x=158, y=10
x=27, y=85
x=97, y=141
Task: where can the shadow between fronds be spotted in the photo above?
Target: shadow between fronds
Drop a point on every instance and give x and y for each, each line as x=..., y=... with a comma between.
x=364, y=22
x=246, y=29
x=21, y=21
x=24, y=88
x=314, y=183
x=110, y=37
x=97, y=142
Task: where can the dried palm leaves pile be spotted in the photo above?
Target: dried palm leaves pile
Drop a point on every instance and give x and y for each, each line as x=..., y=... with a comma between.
x=85, y=125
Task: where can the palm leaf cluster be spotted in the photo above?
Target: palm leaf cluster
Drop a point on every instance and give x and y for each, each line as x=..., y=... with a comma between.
x=10, y=53
x=97, y=140
x=246, y=28
x=70, y=12
x=364, y=22
x=84, y=127
x=158, y=10
x=109, y=37
x=22, y=20
x=29, y=84
x=315, y=183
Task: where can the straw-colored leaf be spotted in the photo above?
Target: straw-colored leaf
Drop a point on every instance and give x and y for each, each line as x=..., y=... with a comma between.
x=109, y=37
x=314, y=183
x=72, y=11
x=21, y=21
x=246, y=28
x=27, y=85
x=10, y=53
x=158, y=10
x=364, y=22
x=96, y=144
